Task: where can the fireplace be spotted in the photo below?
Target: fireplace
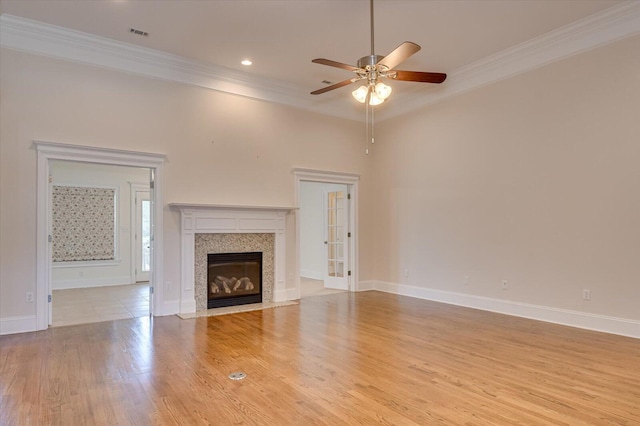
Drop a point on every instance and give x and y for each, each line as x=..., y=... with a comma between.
x=210, y=228
x=234, y=279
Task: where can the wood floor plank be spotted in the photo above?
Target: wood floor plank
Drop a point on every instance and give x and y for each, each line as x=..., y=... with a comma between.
x=352, y=359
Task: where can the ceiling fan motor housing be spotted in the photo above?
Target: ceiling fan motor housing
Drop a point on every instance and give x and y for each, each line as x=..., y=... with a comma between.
x=370, y=61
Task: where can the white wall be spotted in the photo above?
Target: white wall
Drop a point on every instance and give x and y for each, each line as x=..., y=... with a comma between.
x=221, y=149
x=535, y=179
x=85, y=174
x=312, y=231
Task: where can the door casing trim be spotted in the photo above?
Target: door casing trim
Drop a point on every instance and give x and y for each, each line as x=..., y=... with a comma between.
x=352, y=181
x=47, y=151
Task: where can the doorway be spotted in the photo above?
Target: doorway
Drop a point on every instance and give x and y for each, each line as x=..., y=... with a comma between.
x=48, y=152
x=326, y=227
x=100, y=222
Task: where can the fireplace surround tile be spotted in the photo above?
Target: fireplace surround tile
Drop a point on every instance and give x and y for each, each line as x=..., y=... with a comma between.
x=232, y=243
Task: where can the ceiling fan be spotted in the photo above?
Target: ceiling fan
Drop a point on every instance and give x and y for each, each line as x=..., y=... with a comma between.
x=372, y=68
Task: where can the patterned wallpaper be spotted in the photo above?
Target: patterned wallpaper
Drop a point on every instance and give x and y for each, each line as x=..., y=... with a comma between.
x=83, y=223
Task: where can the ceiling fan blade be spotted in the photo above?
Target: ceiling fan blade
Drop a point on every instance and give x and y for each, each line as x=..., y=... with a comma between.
x=399, y=54
x=423, y=77
x=333, y=86
x=335, y=64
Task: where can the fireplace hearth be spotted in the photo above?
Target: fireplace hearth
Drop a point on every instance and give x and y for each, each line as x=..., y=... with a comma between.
x=234, y=279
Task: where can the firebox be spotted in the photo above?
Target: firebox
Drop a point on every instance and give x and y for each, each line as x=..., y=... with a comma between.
x=234, y=279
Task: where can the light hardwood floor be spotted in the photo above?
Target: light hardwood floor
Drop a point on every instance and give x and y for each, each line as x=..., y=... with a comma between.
x=341, y=359
x=97, y=304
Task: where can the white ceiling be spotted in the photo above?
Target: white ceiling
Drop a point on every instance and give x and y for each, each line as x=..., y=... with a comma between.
x=282, y=37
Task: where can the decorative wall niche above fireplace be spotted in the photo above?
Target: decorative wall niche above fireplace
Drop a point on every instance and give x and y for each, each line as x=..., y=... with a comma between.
x=234, y=279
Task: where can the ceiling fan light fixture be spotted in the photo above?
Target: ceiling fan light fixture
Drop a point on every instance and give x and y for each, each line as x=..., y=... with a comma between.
x=360, y=94
x=382, y=91
x=374, y=99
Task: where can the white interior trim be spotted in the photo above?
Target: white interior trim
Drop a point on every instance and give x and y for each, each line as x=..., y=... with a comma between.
x=352, y=181
x=610, y=25
x=588, y=321
x=48, y=151
x=92, y=282
x=50, y=40
x=229, y=207
x=597, y=30
x=22, y=324
x=221, y=219
x=308, y=273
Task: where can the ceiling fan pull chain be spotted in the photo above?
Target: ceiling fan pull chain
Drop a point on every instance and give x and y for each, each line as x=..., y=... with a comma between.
x=373, y=119
x=366, y=129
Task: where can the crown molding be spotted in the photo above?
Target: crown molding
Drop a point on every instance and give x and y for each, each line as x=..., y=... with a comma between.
x=49, y=40
x=608, y=26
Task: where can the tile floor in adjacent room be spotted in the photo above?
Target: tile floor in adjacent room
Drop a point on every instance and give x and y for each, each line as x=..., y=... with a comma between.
x=310, y=287
x=97, y=304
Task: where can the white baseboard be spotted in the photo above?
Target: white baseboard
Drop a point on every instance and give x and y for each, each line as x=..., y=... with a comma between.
x=314, y=275
x=293, y=294
x=366, y=285
x=603, y=323
x=12, y=325
x=91, y=282
x=286, y=294
x=168, y=307
x=187, y=306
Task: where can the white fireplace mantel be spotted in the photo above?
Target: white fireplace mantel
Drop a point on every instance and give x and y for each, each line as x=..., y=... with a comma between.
x=225, y=219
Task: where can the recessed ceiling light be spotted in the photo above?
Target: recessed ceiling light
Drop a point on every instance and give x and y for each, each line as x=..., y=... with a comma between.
x=246, y=62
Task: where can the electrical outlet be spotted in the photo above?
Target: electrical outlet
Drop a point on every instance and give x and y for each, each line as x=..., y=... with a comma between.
x=29, y=297
x=505, y=284
x=466, y=280
x=586, y=294
x=406, y=272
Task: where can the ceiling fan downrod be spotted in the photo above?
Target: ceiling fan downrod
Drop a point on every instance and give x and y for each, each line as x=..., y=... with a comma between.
x=373, y=51
x=369, y=63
